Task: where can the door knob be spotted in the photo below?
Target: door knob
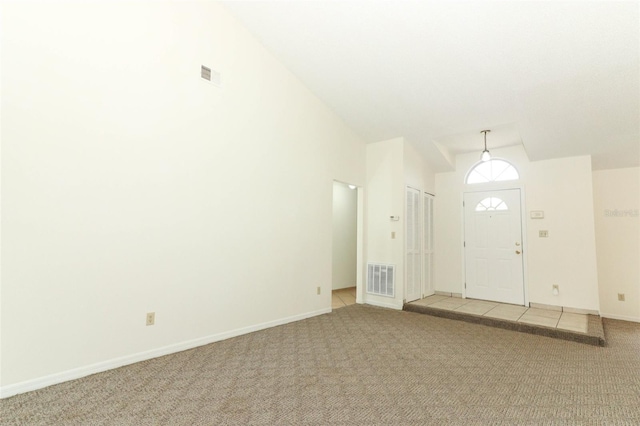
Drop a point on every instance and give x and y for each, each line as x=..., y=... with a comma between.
x=518, y=252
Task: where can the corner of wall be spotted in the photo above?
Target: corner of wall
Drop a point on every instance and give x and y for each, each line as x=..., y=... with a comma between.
x=617, y=228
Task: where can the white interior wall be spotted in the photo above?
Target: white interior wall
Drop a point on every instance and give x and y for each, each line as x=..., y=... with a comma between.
x=562, y=189
x=418, y=173
x=385, y=198
x=391, y=166
x=616, y=196
x=344, y=243
x=130, y=185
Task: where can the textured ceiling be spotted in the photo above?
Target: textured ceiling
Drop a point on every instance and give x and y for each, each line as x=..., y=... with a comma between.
x=560, y=78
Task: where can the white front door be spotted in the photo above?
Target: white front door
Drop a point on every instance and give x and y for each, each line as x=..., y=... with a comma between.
x=413, y=247
x=493, y=246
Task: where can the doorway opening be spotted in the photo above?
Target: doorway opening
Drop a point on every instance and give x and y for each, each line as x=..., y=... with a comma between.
x=346, y=279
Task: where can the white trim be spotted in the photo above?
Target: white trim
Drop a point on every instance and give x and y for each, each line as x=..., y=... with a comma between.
x=463, y=284
x=384, y=304
x=525, y=244
x=427, y=290
x=360, y=247
x=546, y=307
x=77, y=373
x=620, y=317
x=571, y=310
x=448, y=294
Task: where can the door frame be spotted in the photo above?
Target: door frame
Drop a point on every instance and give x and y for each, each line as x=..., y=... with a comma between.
x=499, y=186
x=360, y=247
x=427, y=289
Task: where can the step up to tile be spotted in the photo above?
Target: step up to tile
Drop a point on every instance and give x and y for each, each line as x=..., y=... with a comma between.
x=593, y=336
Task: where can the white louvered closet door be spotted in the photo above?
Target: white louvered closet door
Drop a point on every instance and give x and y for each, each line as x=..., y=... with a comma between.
x=413, y=243
x=427, y=246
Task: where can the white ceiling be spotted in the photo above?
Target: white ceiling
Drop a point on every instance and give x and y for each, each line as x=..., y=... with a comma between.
x=560, y=78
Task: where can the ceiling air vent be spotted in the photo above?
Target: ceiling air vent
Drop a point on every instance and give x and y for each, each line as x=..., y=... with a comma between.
x=210, y=75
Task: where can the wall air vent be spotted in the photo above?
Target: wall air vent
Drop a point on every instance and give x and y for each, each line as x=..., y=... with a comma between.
x=381, y=279
x=212, y=76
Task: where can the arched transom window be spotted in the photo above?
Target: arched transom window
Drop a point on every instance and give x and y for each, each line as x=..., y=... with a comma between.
x=491, y=204
x=494, y=170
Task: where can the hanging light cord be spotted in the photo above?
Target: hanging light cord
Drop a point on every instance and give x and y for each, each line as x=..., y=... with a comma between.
x=486, y=156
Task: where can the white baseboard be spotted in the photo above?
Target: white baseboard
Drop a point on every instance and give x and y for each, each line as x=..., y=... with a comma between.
x=448, y=294
x=77, y=373
x=384, y=304
x=619, y=317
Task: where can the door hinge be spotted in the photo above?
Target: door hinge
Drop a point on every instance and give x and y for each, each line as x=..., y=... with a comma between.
x=464, y=244
x=465, y=285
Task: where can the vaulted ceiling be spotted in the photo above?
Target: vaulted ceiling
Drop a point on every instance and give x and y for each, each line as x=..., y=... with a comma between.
x=560, y=78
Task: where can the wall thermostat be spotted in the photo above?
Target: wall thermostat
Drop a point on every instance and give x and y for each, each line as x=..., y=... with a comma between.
x=537, y=214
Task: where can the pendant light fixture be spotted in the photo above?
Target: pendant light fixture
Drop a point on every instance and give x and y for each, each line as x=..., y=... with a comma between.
x=486, y=156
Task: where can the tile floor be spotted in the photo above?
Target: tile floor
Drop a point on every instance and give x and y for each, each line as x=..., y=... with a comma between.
x=343, y=297
x=535, y=316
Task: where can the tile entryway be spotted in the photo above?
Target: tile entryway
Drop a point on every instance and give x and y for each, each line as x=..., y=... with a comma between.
x=552, y=323
x=343, y=297
x=534, y=316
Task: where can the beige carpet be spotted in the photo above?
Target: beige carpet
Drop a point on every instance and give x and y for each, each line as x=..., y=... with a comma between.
x=360, y=366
